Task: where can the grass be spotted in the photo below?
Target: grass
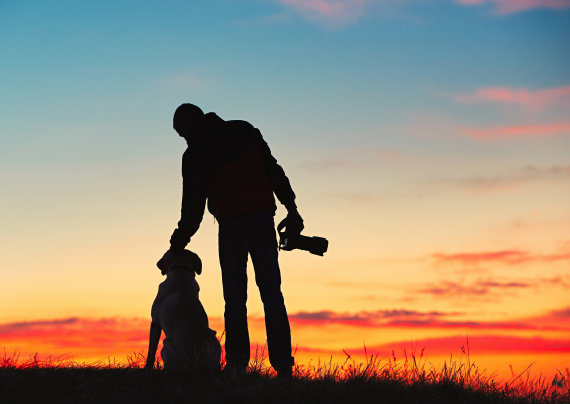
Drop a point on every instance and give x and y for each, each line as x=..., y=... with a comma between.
x=378, y=380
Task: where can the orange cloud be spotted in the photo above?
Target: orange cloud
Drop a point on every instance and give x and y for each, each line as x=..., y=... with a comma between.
x=502, y=256
x=534, y=100
x=513, y=6
x=515, y=131
x=479, y=288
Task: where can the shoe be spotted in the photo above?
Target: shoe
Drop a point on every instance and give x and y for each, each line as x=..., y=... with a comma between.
x=233, y=371
x=284, y=373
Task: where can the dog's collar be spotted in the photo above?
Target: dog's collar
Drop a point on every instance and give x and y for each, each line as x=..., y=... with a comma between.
x=174, y=266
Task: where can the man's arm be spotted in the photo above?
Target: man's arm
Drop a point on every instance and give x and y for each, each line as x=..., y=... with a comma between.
x=276, y=175
x=153, y=340
x=281, y=186
x=193, y=203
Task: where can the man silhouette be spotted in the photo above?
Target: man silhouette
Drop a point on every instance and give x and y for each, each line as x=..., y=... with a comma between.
x=229, y=165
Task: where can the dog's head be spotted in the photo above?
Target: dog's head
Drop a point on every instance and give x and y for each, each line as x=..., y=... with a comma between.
x=185, y=259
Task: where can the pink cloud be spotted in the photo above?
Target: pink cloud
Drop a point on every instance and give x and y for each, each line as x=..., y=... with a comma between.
x=515, y=131
x=351, y=10
x=88, y=338
x=339, y=10
x=478, y=344
x=105, y=334
x=82, y=338
x=513, y=6
x=534, y=100
x=416, y=319
x=367, y=318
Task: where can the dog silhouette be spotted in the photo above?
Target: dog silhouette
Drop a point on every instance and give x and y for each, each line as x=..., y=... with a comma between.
x=177, y=310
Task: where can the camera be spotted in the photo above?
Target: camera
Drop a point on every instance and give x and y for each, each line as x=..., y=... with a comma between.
x=289, y=242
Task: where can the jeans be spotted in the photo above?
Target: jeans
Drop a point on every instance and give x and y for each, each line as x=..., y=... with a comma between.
x=253, y=234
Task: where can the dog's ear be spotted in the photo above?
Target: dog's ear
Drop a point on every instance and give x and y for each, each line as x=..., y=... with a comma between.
x=162, y=263
x=196, y=261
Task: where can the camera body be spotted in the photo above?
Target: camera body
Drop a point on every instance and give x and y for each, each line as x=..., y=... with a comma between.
x=289, y=242
x=314, y=245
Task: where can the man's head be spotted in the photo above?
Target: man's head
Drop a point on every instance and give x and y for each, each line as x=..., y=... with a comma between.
x=188, y=120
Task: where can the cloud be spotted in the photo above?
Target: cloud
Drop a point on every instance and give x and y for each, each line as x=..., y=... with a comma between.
x=485, y=288
x=564, y=313
x=366, y=318
x=416, y=319
x=515, y=179
x=500, y=256
x=26, y=326
x=539, y=101
x=533, y=100
x=502, y=132
x=328, y=10
x=85, y=338
x=514, y=6
x=553, y=318
x=346, y=11
x=94, y=339
x=448, y=289
x=478, y=344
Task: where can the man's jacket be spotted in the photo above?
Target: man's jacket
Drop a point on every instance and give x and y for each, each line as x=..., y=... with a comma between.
x=231, y=167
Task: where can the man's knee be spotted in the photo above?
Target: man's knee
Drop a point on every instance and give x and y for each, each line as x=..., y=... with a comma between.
x=271, y=294
x=235, y=299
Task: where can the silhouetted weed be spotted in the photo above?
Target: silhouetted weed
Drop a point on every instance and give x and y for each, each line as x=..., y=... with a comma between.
x=411, y=380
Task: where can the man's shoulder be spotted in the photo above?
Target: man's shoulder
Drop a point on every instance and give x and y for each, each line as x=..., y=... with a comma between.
x=238, y=125
x=242, y=131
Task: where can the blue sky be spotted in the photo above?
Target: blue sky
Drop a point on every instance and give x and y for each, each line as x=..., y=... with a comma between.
x=407, y=128
x=83, y=61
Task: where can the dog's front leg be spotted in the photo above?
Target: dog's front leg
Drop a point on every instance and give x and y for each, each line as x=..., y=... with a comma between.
x=153, y=340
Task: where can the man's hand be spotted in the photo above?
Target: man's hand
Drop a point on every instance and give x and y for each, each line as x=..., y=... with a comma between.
x=178, y=240
x=294, y=222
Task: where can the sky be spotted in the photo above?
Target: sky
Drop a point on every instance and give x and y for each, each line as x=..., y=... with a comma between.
x=427, y=140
